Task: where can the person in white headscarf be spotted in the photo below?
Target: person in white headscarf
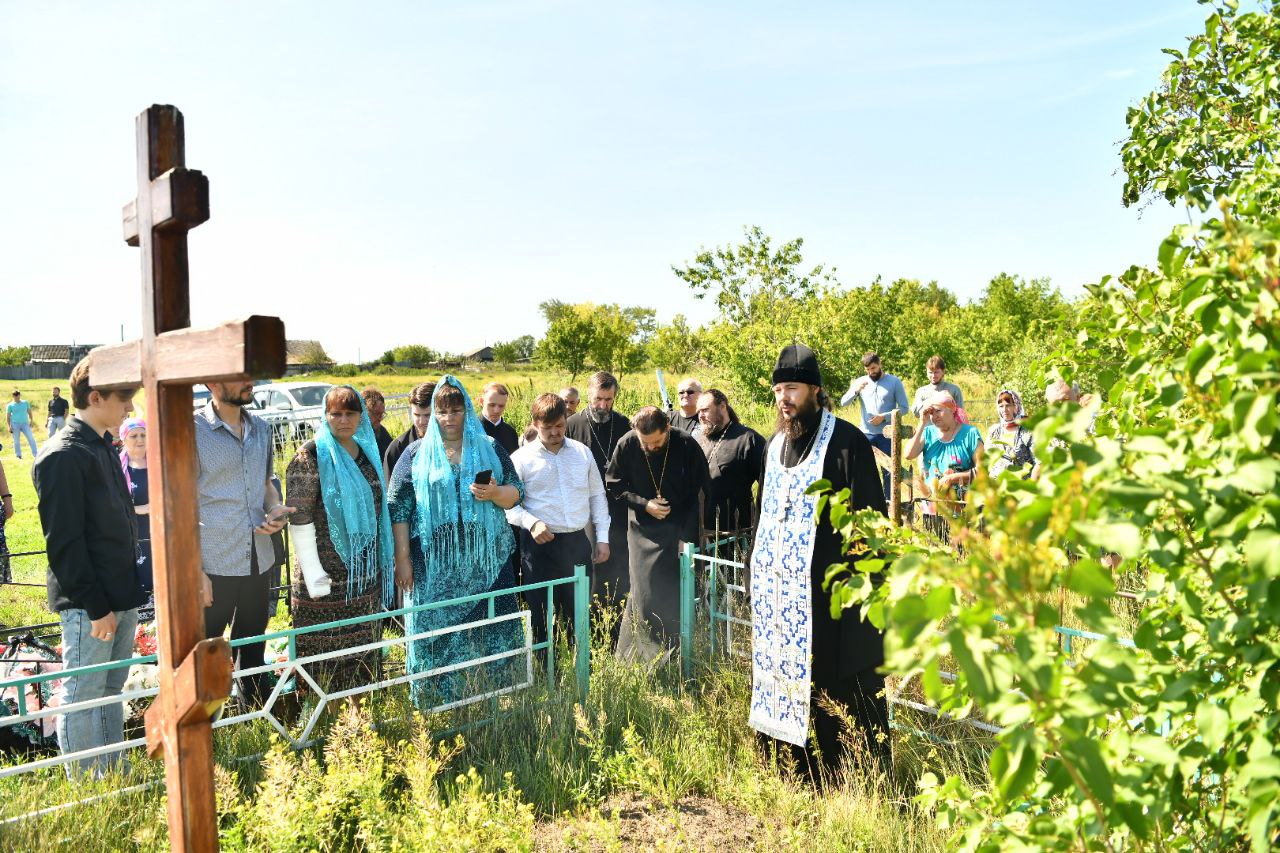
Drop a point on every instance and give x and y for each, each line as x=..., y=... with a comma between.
x=1015, y=443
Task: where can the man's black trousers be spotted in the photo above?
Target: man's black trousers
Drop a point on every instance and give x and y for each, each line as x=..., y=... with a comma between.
x=552, y=561
x=242, y=602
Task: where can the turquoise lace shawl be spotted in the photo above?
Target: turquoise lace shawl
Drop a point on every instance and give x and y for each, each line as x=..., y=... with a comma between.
x=359, y=529
x=465, y=542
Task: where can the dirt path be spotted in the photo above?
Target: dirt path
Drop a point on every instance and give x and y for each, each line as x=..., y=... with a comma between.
x=629, y=822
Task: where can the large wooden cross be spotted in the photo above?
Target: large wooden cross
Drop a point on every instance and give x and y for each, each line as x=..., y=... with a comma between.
x=195, y=673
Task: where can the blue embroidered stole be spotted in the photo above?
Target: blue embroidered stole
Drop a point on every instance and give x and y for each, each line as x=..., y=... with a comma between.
x=781, y=606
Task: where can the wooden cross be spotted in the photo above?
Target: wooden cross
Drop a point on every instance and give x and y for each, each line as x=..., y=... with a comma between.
x=195, y=673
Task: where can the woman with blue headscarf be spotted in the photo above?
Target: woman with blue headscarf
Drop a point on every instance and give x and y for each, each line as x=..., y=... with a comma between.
x=341, y=534
x=448, y=494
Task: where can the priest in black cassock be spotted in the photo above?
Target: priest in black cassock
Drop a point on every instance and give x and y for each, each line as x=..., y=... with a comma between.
x=735, y=462
x=600, y=428
x=798, y=650
x=657, y=472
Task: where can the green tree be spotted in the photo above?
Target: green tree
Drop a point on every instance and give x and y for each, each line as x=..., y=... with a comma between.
x=1212, y=128
x=416, y=355
x=617, y=344
x=14, y=356
x=504, y=352
x=567, y=344
x=509, y=352
x=675, y=347
x=736, y=276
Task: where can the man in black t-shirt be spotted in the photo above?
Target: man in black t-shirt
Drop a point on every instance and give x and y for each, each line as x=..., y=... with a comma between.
x=58, y=407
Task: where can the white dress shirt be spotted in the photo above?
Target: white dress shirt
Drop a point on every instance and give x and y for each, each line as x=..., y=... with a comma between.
x=563, y=490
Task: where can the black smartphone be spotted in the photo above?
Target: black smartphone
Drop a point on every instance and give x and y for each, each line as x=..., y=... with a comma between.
x=483, y=477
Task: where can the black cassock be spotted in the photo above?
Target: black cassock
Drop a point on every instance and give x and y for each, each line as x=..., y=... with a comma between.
x=610, y=580
x=651, y=622
x=846, y=651
x=501, y=432
x=735, y=460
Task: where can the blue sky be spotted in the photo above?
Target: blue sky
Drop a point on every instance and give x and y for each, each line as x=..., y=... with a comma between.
x=389, y=173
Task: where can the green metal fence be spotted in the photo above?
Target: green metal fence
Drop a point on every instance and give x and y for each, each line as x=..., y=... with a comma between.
x=296, y=666
x=715, y=610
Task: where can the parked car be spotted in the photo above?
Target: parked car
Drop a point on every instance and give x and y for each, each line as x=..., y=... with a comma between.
x=294, y=409
x=200, y=396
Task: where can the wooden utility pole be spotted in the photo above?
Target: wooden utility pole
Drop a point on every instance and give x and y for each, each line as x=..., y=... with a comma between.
x=195, y=673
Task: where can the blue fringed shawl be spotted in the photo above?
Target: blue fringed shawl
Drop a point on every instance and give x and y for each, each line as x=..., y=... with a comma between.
x=465, y=542
x=359, y=529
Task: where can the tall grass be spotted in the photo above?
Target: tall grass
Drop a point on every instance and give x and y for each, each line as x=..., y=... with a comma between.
x=540, y=775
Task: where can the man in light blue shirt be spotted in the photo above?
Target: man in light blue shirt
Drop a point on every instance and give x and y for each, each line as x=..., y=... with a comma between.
x=18, y=415
x=880, y=394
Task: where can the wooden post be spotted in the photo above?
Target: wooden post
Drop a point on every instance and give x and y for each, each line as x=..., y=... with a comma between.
x=195, y=673
x=895, y=473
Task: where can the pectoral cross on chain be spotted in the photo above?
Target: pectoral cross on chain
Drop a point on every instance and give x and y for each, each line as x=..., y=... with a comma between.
x=195, y=673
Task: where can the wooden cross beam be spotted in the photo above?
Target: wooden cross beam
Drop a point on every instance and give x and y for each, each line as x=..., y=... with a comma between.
x=195, y=674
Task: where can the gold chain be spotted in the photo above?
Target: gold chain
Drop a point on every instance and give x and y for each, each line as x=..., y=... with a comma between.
x=657, y=484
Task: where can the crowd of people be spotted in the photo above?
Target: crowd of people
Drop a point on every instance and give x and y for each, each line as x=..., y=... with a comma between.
x=461, y=505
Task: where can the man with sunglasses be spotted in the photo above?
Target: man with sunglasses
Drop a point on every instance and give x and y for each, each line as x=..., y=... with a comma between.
x=685, y=417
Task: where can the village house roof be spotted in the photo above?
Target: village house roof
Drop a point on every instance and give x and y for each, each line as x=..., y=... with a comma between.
x=68, y=353
x=301, y=352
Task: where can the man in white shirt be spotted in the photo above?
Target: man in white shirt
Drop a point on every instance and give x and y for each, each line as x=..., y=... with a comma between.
x=563, y=492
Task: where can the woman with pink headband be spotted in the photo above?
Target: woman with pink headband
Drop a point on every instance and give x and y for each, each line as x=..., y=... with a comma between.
x=133, y=461
x=952, y=447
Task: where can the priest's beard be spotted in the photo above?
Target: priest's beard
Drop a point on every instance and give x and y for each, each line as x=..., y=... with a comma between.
x=600, y=416
x=714, y=432
x=797, y=425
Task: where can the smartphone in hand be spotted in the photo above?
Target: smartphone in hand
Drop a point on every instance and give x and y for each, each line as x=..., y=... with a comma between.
x=484, y=477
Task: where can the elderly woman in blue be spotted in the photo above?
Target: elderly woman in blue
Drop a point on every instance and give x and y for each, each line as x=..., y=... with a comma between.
x=447, y=495
x=952, y=447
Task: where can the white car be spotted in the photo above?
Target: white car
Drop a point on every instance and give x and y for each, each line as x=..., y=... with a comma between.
x=200, y=397
x=294, y=409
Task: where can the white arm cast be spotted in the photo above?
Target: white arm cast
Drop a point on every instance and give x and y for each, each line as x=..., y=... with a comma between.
x=303, y=537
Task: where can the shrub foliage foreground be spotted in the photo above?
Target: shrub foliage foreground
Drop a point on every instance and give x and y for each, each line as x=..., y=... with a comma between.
x=1169, y=743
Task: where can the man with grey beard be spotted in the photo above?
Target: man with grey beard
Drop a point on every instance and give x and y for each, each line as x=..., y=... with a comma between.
x=600, y=428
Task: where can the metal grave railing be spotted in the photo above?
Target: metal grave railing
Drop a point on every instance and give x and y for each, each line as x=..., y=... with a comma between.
x=298, y=667
x=720, y=615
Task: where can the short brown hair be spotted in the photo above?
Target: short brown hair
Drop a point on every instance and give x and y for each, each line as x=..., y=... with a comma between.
x=649, y=420
x=372, y=395
x=450, y=397
x=549, y=408
x=79, y=385
x=935, y=361
x=420, y=396
x=870, y=358
x=497, y=387
x=602, y=381
x=342, y=398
